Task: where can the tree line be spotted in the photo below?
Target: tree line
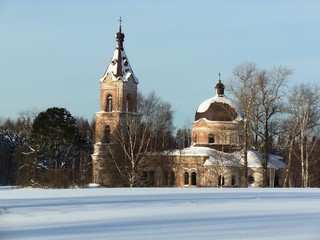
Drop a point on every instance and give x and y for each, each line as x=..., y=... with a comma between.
x=46, y=149
x=53, y=149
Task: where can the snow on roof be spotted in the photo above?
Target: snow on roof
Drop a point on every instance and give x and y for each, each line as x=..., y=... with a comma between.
x=218, y=158
x=220, y=99
x=255, y=159
x=127, y=71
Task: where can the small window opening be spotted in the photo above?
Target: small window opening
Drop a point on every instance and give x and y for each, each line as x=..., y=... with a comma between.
x=107, y=134
x=211, y=138
x=109, y=103
x=221, y=180
x=186, y=178
x=233, y=180
x=194, y=179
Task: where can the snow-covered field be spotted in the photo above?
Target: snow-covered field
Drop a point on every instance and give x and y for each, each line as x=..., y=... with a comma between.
x=160, y=213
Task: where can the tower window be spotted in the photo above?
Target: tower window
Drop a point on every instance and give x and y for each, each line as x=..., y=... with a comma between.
x=186, y=178
x=194, y=179
x=211, y=138
x=107, y=134
x=128, y=104
x=109, y=103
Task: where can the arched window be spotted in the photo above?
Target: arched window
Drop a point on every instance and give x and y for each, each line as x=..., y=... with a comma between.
x=128, y=104
x=251, y=181
x=233, y=180
x=186, y=178
x=194, y=179
x=211, y=138
x=109, y=103
x=107, y=134
x=221, y=180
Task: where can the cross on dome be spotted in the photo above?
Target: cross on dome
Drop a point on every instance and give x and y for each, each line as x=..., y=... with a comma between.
x=120, y=21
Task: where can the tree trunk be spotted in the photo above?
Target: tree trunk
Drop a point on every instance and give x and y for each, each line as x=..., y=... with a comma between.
x=245, y=154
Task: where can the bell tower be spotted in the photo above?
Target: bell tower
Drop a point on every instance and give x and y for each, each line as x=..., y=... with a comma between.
x=118, y=98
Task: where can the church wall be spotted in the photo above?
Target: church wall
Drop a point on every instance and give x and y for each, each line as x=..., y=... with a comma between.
x=226, y=135
x=206, y=176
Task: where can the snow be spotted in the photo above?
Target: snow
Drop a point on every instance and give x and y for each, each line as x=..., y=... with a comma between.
x=162, y=213
x=218, y=158
x=127, y=71
x=220, y=99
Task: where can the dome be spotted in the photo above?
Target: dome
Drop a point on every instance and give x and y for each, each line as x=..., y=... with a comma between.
x=219, y=108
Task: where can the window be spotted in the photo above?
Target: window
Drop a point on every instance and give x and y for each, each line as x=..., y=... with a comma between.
x=221, y=180
x=169, y=179
x=186, y=178
x=211, y=138
x=194, y=138
x=151, y=178
x=234, y=139
x=107, y=134
x=109, y=103
x=194, y=179
x=233, y=180
x=128, y=104
x=148, y=178
x=251, y=181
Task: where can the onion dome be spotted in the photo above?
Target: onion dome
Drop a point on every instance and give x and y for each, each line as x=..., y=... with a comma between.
x=219, y=107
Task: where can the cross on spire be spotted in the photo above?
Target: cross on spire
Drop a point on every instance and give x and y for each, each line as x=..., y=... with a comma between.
x=219, y=77
x=120, y=21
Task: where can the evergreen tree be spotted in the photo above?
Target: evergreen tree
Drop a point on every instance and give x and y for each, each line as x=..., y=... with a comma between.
x=57, y=143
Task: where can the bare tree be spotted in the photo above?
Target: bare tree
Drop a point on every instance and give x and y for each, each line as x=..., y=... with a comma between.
x=271, y=92
x=304, y=114
x=244, y=88
x=260, y=93
x=149, y=130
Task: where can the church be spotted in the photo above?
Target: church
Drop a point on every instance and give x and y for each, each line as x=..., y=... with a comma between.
x=215, y=157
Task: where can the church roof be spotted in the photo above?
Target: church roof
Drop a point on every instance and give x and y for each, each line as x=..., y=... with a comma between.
x=119, y=67
x=218, y=158
x=219, y=107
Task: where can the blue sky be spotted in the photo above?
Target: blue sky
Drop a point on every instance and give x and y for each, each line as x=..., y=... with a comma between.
x=52, y=53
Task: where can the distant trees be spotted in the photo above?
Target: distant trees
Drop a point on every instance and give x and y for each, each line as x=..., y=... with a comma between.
x=183, y=138
x=10, y=142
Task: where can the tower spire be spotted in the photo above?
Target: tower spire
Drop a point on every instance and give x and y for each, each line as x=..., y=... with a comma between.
x=119, y=66
x=120, y=36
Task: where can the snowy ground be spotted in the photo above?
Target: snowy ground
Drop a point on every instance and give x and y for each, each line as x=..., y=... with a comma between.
x=162, y=213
